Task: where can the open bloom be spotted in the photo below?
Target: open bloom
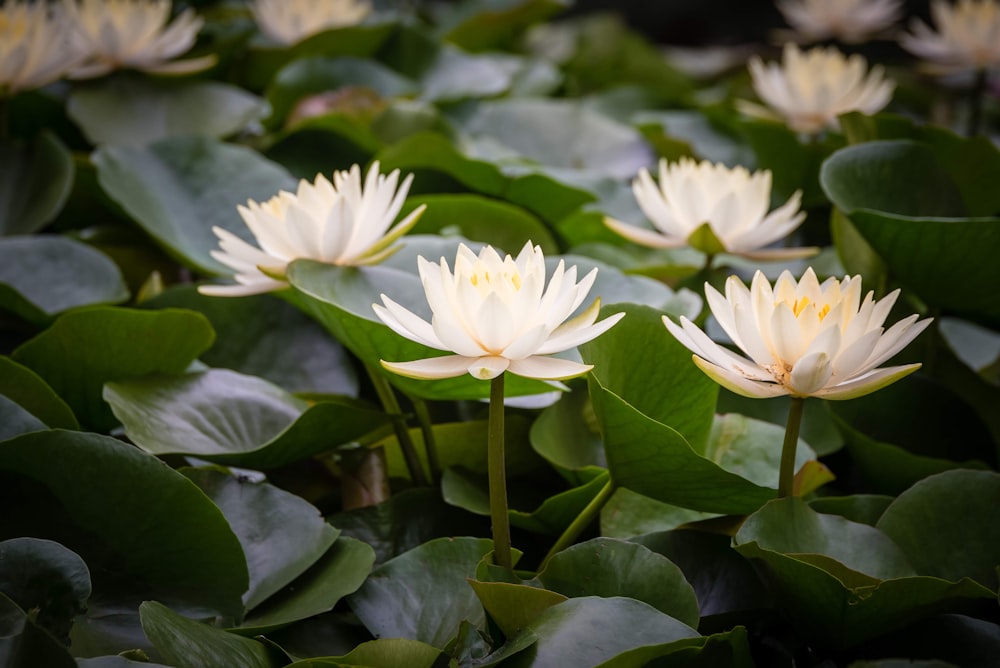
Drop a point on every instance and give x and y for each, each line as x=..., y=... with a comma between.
x=850, y=21
x=343, y=222
x=805, y=338
x=497, y=315
x=290, y=21
x=133, y=34
x=810, y=89
x=35, y=46
x=733, y=203
x=967, y=37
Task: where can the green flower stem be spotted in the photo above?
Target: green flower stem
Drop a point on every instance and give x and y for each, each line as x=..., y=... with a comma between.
x=427, y=431
x=976, y=96
x=787, y=471
x=498, y=477
x=391, y=406
x=582, y=521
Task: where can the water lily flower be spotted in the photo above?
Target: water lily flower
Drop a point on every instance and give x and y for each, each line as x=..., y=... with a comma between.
x=343, y=223
x=810, y=89
x=967, y=36
x=714, y=209
x=290, y=21
x=133, y=34
x=849, y=21
x=802, y=338
x=496, y=314
x=35, y=46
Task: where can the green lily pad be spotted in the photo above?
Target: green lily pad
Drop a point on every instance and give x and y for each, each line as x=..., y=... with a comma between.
x=608, y=567
x=135, y=110
x=381, y=653
x=628, y=514
x=84, y=349
x=947, y=525
x=230, y=418
x=977, y=347
x=178, y=189
x=323, y=143
x=392, y=603
x=195, y=556
x=566, y=434
x=721, y=649
x=43, y=276
x=15, y=420
x=35, y=180
x=27, y=389
x=513, y=606
x=185, y=643
x=483, y=25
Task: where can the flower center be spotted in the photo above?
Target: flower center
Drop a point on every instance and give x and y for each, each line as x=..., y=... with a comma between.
x=486, y=281
x=800, y=304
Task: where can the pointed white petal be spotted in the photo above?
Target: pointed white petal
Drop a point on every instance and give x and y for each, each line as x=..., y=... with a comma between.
x=431, y=368
x=739, y=384
x=548, y=368
x=868, y=383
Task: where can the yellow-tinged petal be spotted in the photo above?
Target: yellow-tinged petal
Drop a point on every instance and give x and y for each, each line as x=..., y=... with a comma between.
x=431, y=368
x=739, y=384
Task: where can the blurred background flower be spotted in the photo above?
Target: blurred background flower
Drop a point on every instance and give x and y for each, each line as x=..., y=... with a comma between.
x=290, y=21
x=849, y=21
x=967, y=36
x=35, y=45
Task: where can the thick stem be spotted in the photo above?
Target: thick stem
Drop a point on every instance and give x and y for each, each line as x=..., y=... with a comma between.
x=976, y=96
x=787, y=472
x=498, y=477
x=427, y=431
x=391, y=406
x=582, y=521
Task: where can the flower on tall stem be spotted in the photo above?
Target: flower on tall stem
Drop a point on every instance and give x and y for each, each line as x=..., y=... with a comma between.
x=714, y=209
x=291, y=21
x=497, y=315
x=802, y=338
x=967, y=37
x=36, y=46
x=346, y=222
x=133, y=34
x=850, y=21
x=808, y=90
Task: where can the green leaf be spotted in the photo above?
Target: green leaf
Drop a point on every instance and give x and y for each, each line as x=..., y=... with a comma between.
x=381, y=653
x=794, y=166
x=977, y=347
x=494, y=222
x=43, y=276
x=23, y=643
x=566, y=434
x=49, y=580
x=947, y=525
x=35, y=180
x=513, y=606
x=137, y=110
x=185, y=643
x=27, y=389
x=163, y=528
x=84, y=349
x=339, y=572
x=608, y=567
x=226, y=417
x=628, y=514
x=558, y=511
x=721, y=649
x=587, y=631
x=488, y=24
x=15, y=420
x=265, y=336
x=115, y=662
x=266, y=520
x=818, y=428
x=178, y=189
x=861, y=508
x=307, y=147
x=393, y=600
x=751, y=448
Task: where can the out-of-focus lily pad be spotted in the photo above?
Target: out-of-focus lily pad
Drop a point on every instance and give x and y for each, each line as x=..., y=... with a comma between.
x=978, y=347
x=489, y=24
x=35, y=180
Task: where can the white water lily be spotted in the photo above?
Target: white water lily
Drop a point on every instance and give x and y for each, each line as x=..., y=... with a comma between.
x=804, y=338
x=290, y=21
x=133, y=34
x=849, y=21
x=496, y=314
x=808, y=90
x=967, y=36
x=35, y=46
x=344, y=222
x=732, y=202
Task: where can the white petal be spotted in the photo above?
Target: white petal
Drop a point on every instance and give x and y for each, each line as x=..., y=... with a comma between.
x=487, y=368
x=737, y=383
x=431, y=368
x=548, y=368
x=407, y=324
x=868, y=383
x=810, y=373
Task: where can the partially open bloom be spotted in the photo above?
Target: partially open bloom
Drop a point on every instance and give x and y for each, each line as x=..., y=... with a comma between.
x=497, y=315
x=967, y=37
x=133, y=34
x=35, y=46
x=732, y=203
x=343, y=222
x=290, y=21
x=849, y=21
x=805, y=338
x=810, y=89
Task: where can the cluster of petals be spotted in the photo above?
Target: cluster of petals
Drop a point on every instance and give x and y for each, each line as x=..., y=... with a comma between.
x=805, y=338
x=809, y=89
x=290, y=21
x=850, y=21
x=733, y=202
x=133, y=34
x=967, y=36
x=36, y=45
x=497, y=314
x=344, y=222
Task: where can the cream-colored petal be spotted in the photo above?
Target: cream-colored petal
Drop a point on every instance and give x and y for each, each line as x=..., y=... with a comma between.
x=487, y=368
x=739, y=384
x=810, y=374
x=548, y=368
x=868, y=383
x=431, y=368
x=406, y=323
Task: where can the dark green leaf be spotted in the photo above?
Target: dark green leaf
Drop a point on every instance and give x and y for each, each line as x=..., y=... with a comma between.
x=16, y=420
x=795, y=166
x=22, y=643
x=629, y=514
x=483, y=25
x=84, y=349
x=513, y=606
x=27, y=389
x=566, y=434
x=35, y=180
x=381, y=653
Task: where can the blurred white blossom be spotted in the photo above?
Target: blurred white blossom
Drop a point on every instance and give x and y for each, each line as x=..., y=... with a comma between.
x=967, y=36
x=36, y=47
x=290, y=21
x=849, y=21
